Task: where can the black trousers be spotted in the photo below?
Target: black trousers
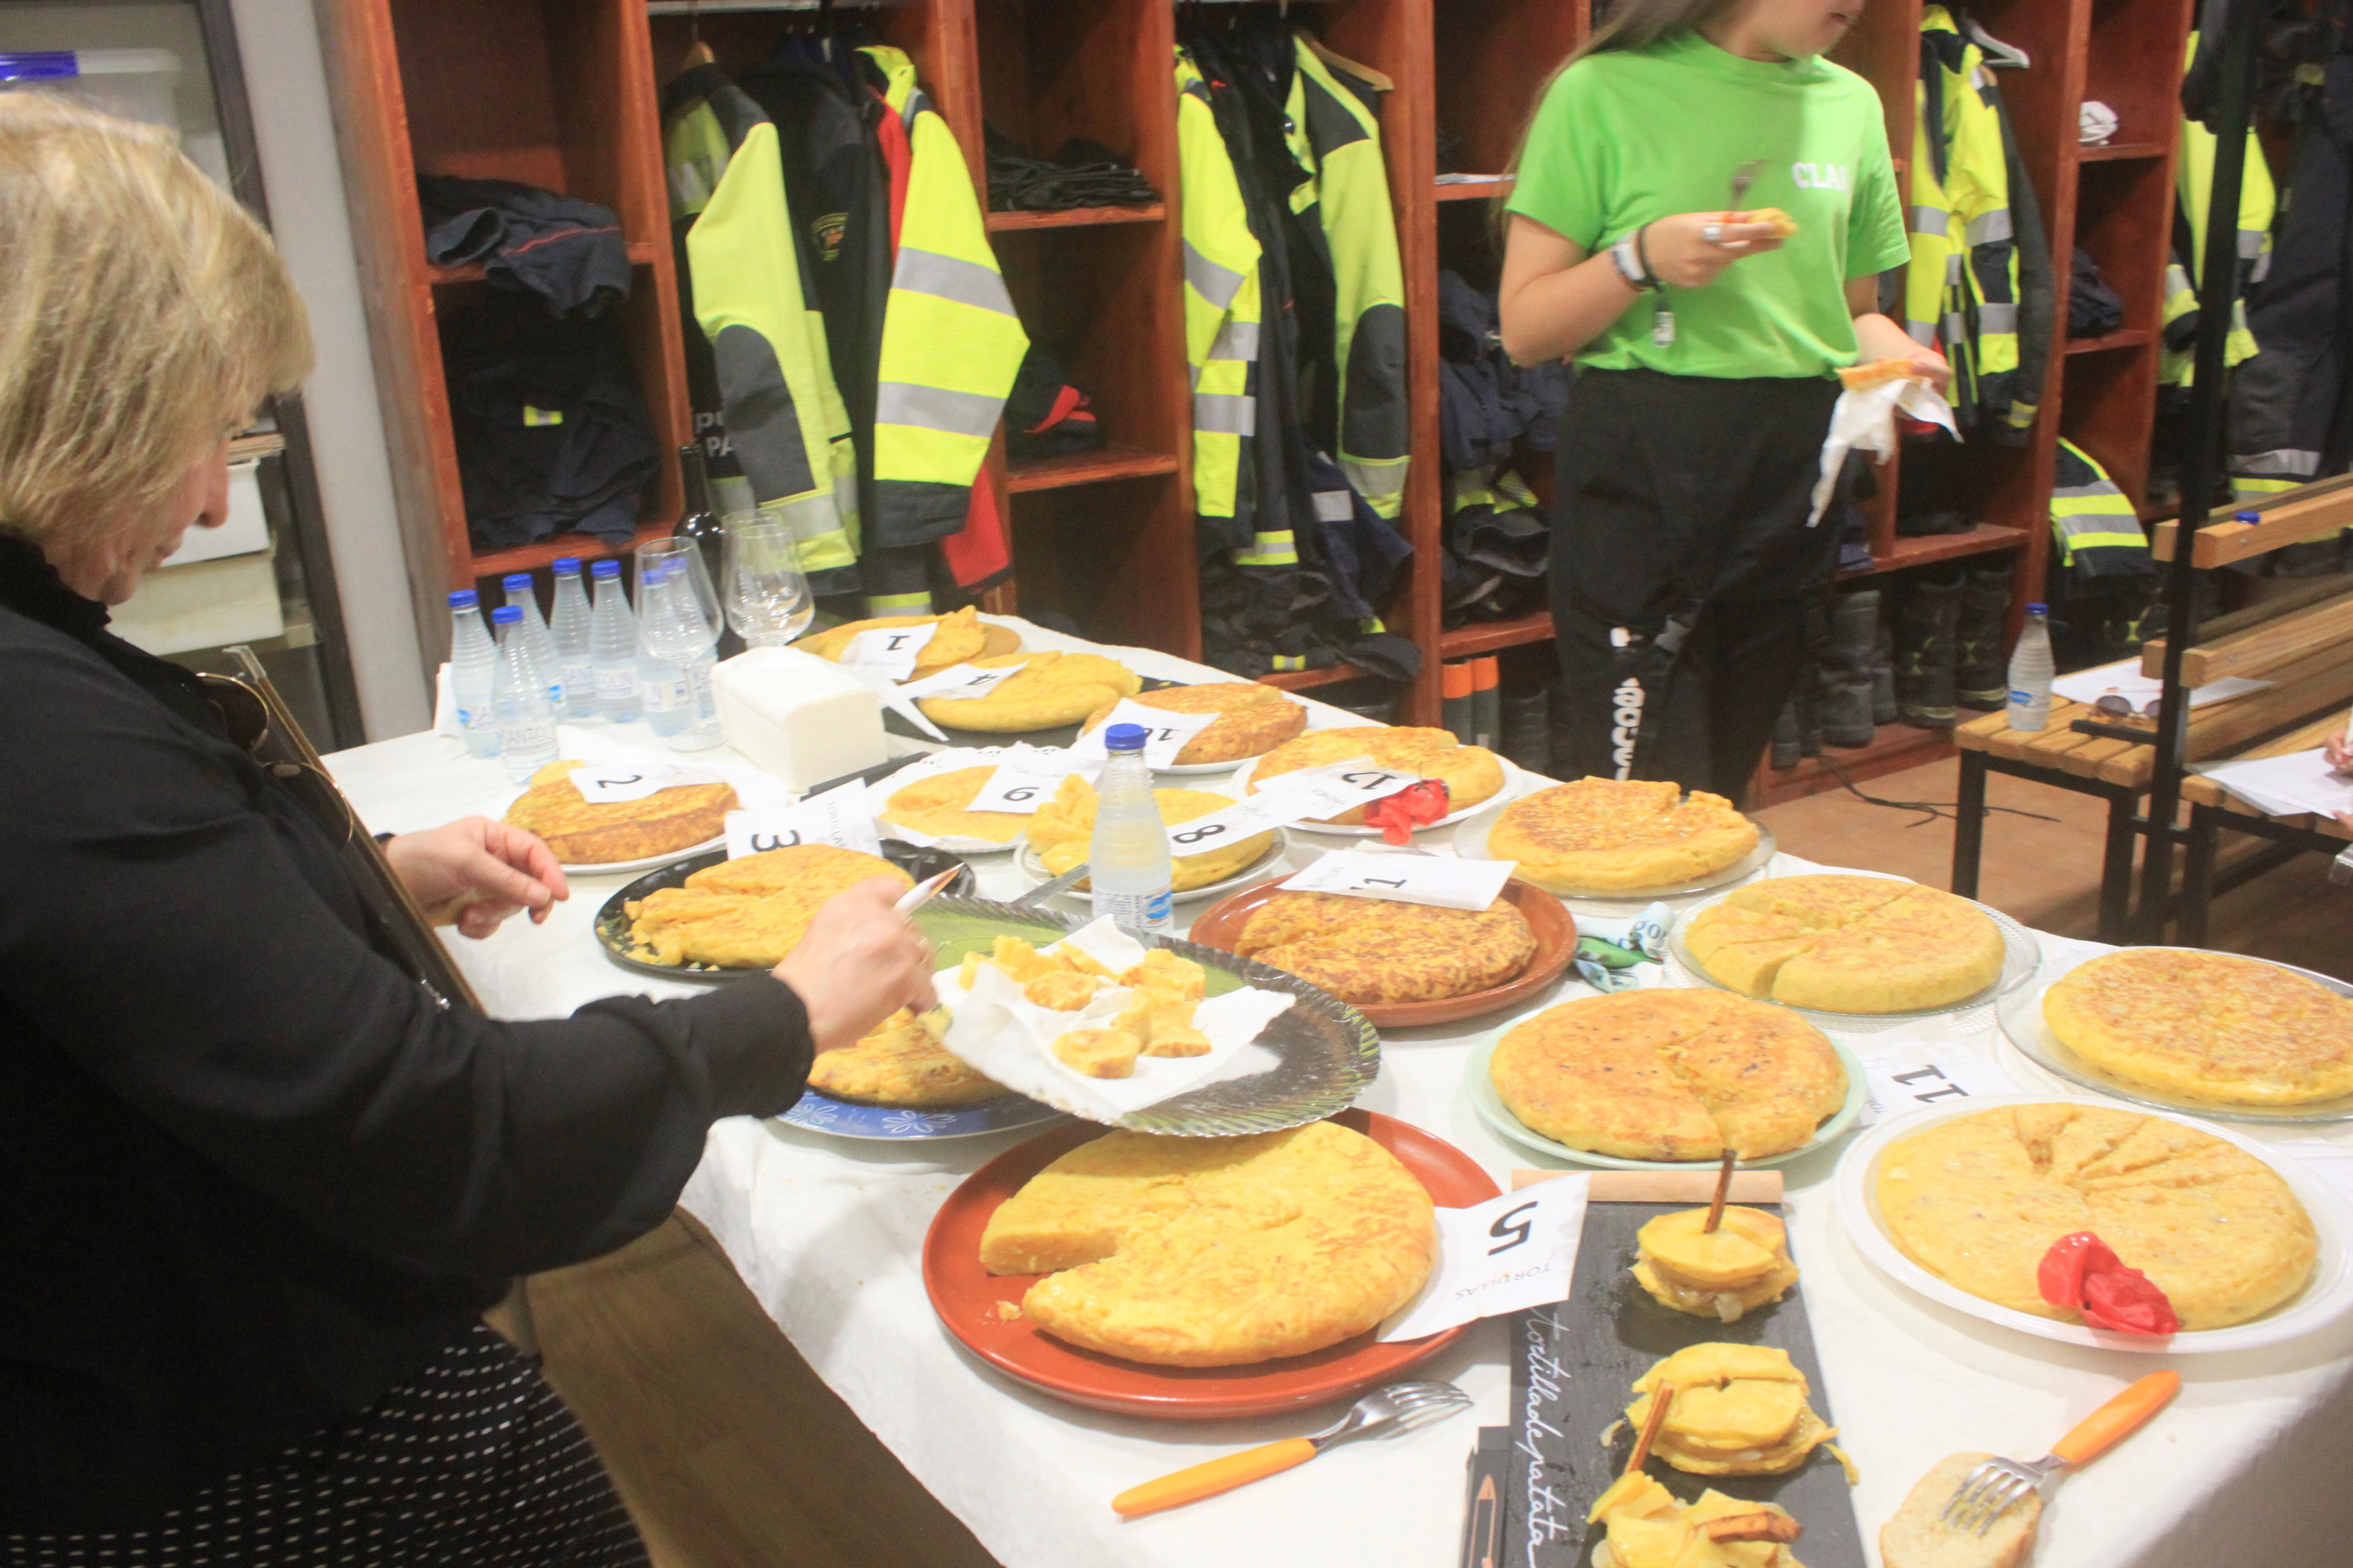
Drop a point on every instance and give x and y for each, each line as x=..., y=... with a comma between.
x=476, y=1462
x=1686, y=587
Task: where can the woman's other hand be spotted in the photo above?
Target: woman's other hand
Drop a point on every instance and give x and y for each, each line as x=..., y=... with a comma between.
x=473, y=873
x=2341, y=755
x=860, y=961
x=1689, y=250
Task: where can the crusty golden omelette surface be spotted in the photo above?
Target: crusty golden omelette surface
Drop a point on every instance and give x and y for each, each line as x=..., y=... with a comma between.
x=1063, y=833
x=2208, y=1027
x=1215, y=1251
x=1669, y=1074
x=1619, y=835
x=748, y=912
x=939, y=805
x=1977, y=1201
x=1252, y=720
x=1471, y=773
x=901, y=1062
x=583, y=832
x=1847, y=944
x=960, y=637
x=1371, y=951
x=1051, y=689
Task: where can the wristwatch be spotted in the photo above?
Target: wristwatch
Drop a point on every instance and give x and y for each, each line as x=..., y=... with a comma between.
x=1631, y=264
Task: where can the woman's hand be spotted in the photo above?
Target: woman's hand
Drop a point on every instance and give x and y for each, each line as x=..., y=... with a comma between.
x=860, y=961
x=473, y=873
x=1877, y=337
x=1689, y=250
x=2341, y=755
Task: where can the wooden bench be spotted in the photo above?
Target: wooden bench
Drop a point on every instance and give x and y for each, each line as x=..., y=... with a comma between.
x=2213, y=808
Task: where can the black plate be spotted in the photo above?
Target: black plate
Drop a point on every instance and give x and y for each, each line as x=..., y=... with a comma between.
x=1577, y=1364
x=1054, y=735
x=613, y=921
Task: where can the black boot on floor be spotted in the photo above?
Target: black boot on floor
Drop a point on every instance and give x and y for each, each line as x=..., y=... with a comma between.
x=1844, y=698
x=1981, y=679
x=1785, y=737
x=1527, y=736
x=1882, y=664
x=1926, y=618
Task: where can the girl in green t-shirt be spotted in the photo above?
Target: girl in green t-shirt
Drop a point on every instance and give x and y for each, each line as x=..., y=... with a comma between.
x=1684, y=577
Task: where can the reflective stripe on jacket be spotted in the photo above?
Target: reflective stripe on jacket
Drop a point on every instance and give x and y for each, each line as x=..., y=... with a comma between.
x=1961, y=290
x=2092, y=523
x=2193, y=189
x=1222, y=316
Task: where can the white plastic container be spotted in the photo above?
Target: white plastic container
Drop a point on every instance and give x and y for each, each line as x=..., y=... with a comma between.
x=799, y=717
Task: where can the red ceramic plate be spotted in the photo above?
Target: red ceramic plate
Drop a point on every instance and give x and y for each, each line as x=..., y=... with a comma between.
x=1221, y=925
x=966, y=1296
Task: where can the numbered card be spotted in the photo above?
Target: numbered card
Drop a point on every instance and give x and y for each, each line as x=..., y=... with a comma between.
x=889, y=650
x=1023, y=782
x=606, y=783
x=1165, y=733
x=960, y=681
x=839, y=817
x=1325, y=791
x=1917, y=1075
x=1448, y=883
x=1515, y=1251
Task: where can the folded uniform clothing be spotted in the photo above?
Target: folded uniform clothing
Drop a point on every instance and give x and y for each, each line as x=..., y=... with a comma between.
x=550, y=430
x=1494, y=520
x=568, y=253
x=2093, y=308
x=1486, y=404
x=1085, y=174
x=1046, y=416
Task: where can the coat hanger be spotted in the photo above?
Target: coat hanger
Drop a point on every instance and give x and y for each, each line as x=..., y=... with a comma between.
x=698, y=53
x=1998, y=55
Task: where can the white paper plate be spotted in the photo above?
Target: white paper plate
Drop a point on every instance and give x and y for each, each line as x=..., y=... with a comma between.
x=2021, y=1012
x=650, y=862
x=1256, y=871
x=2021, y=958
x=2322, y=1300
x=1516, y=783
x=1470, y=843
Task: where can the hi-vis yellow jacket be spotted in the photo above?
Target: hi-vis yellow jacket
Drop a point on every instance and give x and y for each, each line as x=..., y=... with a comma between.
x=758, y=308
x=2193, y=189
x=951, y=341
x=1221, y=322
x=1961, y=291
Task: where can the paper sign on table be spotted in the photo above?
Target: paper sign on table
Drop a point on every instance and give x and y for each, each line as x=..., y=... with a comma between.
x=1030, y=777
x=839, y=817
x=1317, y=793
x=1441, y=880
x=1165, y=733
x=889, y=650
x=960, y=681
x=1917, y=1075
x=1515, y=1251
x=609, y=782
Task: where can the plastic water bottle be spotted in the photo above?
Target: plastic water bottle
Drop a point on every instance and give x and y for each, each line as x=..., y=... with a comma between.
x=537, y=639
x=526, y=714
x=612, y=646
x=473, y=658
x=683, y=636
x=1131, y=875
x=661, y=683
x=570, y=631
x=2030, y=670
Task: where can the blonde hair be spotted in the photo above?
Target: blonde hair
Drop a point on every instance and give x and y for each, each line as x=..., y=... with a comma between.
x=144, y=315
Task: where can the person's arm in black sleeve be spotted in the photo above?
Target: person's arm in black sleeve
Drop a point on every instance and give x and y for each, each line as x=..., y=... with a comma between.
x=154, y=927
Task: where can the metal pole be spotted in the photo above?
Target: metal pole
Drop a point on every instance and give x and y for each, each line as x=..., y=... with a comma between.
x=2217, y=282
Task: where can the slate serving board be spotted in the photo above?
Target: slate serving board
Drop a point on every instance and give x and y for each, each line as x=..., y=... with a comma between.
x=1573, y=1372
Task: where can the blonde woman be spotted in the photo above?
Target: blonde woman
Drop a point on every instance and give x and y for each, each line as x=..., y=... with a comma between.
x=257, y=1189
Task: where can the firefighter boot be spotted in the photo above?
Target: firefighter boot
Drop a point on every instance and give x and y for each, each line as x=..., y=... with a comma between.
x=1926, y=618
x=1882, y=664
x=1785, y=736
x=1980, y=680
x=1844, y=698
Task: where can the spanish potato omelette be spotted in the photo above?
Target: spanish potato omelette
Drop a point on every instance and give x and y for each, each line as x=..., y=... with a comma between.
x=581, y=832
x=1847, y=944
x=748, y=912
x=939, y=807
x=1618, y=834
x=1062, y=831
x=1979, y=1199
x=1252, y=719
x=1215, y=1251
x=1669, y=1074
x=1376, y=953
x=901, y=1062
x=1049, y=689
x=959, y=638
x=2208, y=1027
x=1471, y=773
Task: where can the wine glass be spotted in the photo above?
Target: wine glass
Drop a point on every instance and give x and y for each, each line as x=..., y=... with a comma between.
x=767, y=598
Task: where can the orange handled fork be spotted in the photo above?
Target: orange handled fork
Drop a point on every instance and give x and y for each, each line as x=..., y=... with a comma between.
x=1399, y=1407
x=1985, y=1492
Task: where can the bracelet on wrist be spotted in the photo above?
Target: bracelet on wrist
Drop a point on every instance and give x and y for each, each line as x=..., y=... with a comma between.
x=1642, y=254
x=1628, y=261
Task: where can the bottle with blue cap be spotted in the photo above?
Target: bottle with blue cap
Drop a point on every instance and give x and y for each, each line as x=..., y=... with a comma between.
x=569, y=628
x=536, y=640
x=612, y=646
x=1131, y=874
x=473, y=660
x=2031, y=669
x=518, y=693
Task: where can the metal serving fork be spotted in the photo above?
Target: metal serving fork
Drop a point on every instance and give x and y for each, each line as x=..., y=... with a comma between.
x=1399, y=1407
x=1986, y=1491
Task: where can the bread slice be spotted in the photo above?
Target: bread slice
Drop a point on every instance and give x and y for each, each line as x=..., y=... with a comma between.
x=1860, y=377
x=1914, y=1539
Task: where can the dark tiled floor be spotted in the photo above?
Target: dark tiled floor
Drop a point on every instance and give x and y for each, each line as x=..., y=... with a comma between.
x=2047, y=872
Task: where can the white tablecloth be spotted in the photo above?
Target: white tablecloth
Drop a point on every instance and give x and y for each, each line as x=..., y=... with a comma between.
x=2244, y=1469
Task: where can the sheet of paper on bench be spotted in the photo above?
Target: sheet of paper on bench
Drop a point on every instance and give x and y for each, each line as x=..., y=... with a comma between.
x=2124, y=679
x=2285, y=786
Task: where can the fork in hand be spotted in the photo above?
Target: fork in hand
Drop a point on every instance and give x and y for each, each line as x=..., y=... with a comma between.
x=1989, y=1490
x=1399, y=1407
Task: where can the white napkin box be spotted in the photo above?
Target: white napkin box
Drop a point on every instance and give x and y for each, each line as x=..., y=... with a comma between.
x=799, y=716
